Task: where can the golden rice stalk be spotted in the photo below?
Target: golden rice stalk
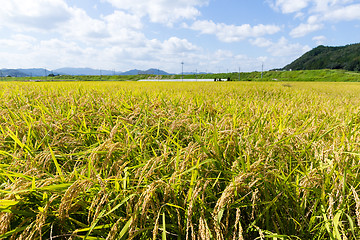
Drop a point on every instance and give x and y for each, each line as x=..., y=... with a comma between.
x=114, y=230
x=143, y=205
x=5, y=219
x=331, y=206
x=189, y=225
x=72, y=192
x=223, y=201
x=28, y=233
x=238, y=226
x=253, y=200
x=156, y=226
x=100, y=205
x=228, y=194
x=204, y=231
x=357, y=202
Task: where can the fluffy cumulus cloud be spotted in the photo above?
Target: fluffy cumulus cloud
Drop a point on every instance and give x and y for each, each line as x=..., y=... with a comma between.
x=305, y=28
x=261, y=42
x=71, y=36
x=33, y=14
x=19, y=41
x=318, y=12
x=282, y=48
x=345, y=13
x=288, y=6
x=319, y=40
x=233, y=33
x=281, y=51
x=176, y=45
x=57, y=17
x=161, y=11
x=58, y=33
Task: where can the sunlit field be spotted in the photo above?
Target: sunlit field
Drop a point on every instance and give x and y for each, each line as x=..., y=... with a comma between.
x=216, y=160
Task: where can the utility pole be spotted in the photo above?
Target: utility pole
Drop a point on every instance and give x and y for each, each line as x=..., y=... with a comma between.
x=239, y=73
x=196, y=74
x=262, y=70
x=182, y=71
x=100, y=75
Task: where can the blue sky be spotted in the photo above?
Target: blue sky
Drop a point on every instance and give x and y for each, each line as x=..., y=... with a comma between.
x=207, y=35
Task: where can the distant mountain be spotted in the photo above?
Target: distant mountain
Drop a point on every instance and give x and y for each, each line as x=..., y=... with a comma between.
x=35, y=72
x=11, y=73
x=193, y=73
x=132, y=72
x=31, y=72
x=90, y=71
x=322, y=57
x=151, y=71
x=40, y=72
x=85, y=71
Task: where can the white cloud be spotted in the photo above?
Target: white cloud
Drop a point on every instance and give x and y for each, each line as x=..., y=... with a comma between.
x=124, y=29
x=261, y=42
x=319, y=6
x=116, y=40
x=120, y=19
x=304, y=29
x=283, y=48
x=18, y=42
x=116, y=28
x=177, y=45
x=221, y=54
x=319, y=40
x=318, y=11
x=347, y=13
x=313, y=24
x=54, y=33
x=33, y=14
x=83, y=27
x=282, y=52
x=26, y=51
x=162, y=11
x=73, y=24
x=233, y=33
x=290, y=6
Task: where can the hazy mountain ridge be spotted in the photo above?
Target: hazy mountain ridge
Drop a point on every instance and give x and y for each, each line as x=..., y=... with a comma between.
x=40, y=72
x=323, y=57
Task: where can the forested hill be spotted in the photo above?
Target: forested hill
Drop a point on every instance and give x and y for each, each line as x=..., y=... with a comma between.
x=345, y=57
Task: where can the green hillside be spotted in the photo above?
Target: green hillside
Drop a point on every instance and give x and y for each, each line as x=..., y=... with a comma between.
x=345, y=57
x=323, y=75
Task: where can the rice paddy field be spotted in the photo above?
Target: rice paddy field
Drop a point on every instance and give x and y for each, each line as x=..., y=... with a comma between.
x=131, y=160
